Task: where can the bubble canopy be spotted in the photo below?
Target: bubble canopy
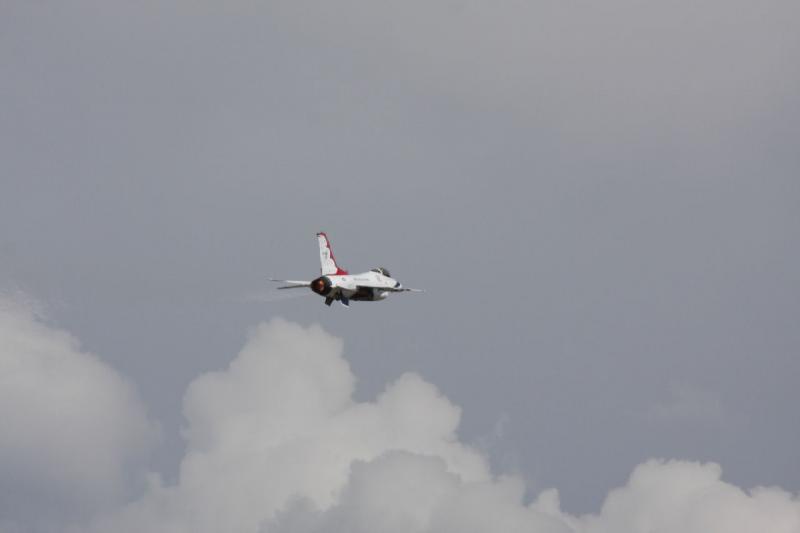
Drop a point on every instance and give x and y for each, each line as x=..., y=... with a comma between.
x=381, y=270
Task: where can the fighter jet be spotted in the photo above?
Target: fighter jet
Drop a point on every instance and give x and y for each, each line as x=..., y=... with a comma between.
x=335, y=283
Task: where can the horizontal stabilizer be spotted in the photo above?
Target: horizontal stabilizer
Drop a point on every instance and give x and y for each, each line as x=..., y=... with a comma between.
x=291, y=284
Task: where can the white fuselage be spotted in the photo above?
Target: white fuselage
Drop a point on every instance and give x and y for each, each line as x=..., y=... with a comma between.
x=366, y=286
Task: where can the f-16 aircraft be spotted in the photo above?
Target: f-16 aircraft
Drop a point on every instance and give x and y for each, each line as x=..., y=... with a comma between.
x=335, y=283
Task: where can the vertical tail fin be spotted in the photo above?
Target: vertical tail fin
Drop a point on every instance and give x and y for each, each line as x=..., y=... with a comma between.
x=327, y=262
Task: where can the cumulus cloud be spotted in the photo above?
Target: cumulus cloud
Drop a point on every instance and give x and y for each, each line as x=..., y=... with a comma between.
x=277, y=444
x=280, y=424
x=680, y=496
x=405, y=493
x=72, y=430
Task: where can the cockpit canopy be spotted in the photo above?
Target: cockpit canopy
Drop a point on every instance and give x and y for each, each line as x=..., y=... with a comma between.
x=381, y=270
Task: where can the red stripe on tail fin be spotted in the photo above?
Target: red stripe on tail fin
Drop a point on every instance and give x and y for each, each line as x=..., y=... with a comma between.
x=327, y=261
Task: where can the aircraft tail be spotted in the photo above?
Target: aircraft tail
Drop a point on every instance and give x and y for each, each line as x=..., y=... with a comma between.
x=327, y=262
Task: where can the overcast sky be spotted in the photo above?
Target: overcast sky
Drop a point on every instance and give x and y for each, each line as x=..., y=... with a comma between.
x=602, y=200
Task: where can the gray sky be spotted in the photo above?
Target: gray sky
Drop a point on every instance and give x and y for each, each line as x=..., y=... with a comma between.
x=602, y=201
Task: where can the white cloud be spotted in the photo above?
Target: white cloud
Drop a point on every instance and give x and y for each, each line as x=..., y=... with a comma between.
x=71, y=429
x=409, y=493
x=276, y=444
x=685, y=497
x=280, y=423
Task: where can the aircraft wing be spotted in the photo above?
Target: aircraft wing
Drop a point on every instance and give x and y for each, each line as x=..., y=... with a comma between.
x=291, y=284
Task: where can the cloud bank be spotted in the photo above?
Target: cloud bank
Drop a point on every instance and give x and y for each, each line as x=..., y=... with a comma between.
x=275, y=443
x=74, y=436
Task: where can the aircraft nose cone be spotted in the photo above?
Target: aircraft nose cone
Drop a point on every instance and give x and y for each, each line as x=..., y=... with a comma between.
x=398, y=286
